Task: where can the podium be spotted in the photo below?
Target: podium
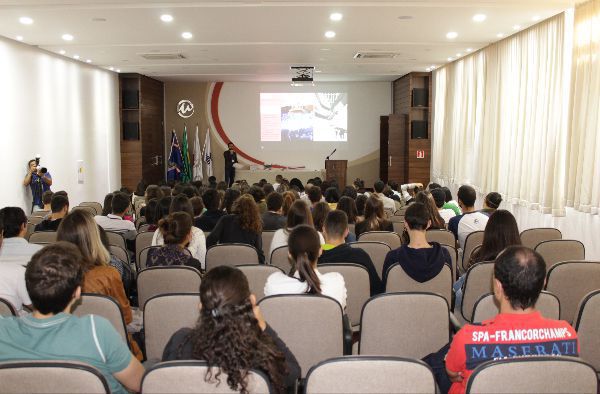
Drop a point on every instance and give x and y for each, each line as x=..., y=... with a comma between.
x=336, y=170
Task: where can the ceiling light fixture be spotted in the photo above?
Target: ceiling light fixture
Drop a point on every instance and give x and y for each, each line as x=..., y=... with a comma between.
x=330, y=34
x=458, y=55
x=62, y=52
x=19, y=38
x=450, y=58
x=166, y=18
x=76, y=57
x=500, y=35
x=25, y=20
x=88, y=61
x=535, y=18
x=428, y=69
x=336, y=17
x=118, y=70
x=516, y=27
x=479, y=17
x=451, y=35
x=469, y=50
x=111, y=68
x=67, y=37
x=187, y=35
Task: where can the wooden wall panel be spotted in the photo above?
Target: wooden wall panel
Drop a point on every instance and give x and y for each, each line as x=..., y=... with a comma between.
x=152, y=126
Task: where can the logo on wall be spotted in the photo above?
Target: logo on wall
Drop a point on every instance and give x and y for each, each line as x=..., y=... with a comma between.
x=185, y=108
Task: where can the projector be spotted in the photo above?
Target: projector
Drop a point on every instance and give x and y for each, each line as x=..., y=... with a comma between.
x=302, y=73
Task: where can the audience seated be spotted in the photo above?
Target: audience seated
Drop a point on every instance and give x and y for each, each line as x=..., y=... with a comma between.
x=232, y=336
x=314, y=195
x=259, y=198
x=421, y=260
x=288, y=199
x=47, y=200
x=519, y=330
x=197, y=205
x=12, y=281
x=107, y=204
x=361, y=201
x=80, y=229
x=374, y=218
x=348, y=205
x=208, y=220
x=304, y=250
x=242, y=226
x=127, y=276
x=388, y=203
x=197, y=244
x=150, y=215
x=470, y=220
x=273, y=219
x=298, y=214
x=450, y=203
x=439, y=198
x=176, y=233
x=120, y=206
x=60, y=207
x=54, y=279
x=229, y=198
x=335, y=249
x=332, y=196
x=319, y=213
x=15, y=248
x=151, y=192
x=491, y=202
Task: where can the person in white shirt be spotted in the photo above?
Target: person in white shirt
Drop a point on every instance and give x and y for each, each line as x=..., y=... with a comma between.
x=121, y=204
x=470, y=220
x=298, y=214
x=439, y=197
x=304, y=251
x=388, y=203
x=12, y=281
x=15, y=248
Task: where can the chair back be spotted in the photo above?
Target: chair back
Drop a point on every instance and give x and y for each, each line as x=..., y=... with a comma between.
x=267, y=237
x=39, y=214
x=42, y=237
x=376, y=251
x=96, y=205
x=478, y=281
x=143, y=257
x=120, y=253
x=570, y=281
x=86, y=208
x=370, y=374
x=257, y=275
x=30, y=229
x=398, y=226
x=401, y=211
x=396, y=219
x=164, y=315
x=279, y=258
x=415, y=325
x=310, y=325
x=35, y=219
x=453, y=259
x=352, y=228
x=187, y=377
x=443, y=237
x=51, y=376
x=534, y=236
x=389, y=238
x=398, y=280
x=144, y=228
x=142, y=241
x=232, y=254
x=358, y=288
x=557, y=250
x=102, y=305
x=486, y=308
x=471, y=242
x=116, y=239
x=6, y=308
x=159, y=280
x=544, y=374
x=588, y=329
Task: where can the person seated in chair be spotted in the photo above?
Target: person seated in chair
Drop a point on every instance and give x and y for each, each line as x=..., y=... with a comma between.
x=273, y=219
x=470, y=220
x=60, y=208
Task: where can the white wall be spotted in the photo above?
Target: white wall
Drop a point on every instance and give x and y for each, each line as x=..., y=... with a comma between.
x=239, y=111
x=66, y=111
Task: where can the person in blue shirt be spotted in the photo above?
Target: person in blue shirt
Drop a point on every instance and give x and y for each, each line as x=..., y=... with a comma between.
x=39, y=180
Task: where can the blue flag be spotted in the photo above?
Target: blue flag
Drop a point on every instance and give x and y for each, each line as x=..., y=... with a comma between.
x=175, y=160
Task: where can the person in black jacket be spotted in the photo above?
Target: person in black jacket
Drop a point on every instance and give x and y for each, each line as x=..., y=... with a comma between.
x=420, y=259
x=60, y=207
x=335, y=250
x=243, y=226
x=273, y=219
x=232, y=335
x=230, y=159
x=208, y=220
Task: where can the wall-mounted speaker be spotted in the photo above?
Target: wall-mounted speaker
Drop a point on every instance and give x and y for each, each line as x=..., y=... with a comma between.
x=131, y=131
x=420, y=97
x=130, y=99
x=418, y=129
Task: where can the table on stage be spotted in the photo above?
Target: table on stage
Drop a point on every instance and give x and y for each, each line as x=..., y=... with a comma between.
x=254, y=176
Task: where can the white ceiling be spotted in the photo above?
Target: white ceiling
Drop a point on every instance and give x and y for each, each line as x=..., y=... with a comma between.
x=260, y=40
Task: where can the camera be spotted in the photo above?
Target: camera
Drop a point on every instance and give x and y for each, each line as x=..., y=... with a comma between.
x=41, y=169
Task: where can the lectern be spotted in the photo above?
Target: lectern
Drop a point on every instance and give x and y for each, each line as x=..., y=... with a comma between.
x=336, y=170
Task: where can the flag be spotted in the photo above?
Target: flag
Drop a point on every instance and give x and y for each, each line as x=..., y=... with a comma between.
x=197, y=168
x=175, y=159
x=208, y=154
x=186, y=173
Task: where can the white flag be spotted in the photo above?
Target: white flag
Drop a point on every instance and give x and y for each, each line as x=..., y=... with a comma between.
x=208, y=154
x=197, y=166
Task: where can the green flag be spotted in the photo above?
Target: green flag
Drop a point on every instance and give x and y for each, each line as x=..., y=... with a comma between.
x=186, y=173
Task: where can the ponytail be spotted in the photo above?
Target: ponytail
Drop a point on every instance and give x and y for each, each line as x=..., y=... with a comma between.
x=304, y=246
x=307, y=274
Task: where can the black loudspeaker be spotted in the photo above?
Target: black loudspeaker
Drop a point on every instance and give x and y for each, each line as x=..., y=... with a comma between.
x=420, y=98
x=418, y=129
x=130, y=99
x=131, y=131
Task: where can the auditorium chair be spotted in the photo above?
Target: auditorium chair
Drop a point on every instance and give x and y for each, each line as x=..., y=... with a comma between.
x=86, y=208
x=6, y=308
x=166, y=279
x=142, y=241
x=398, y=280
x=102, y=305
x=116, y=239
x=534, y=236
x=376, y=251
x=557, y=250
x=43, y=237
x=257, y=275
x=444, y=237
x=486, y=308
x=478, y=281
x=453, y=259
x=389, y=238
x=280, y=259
x=231, y=254
x=267, y=237
x=588, y=329
x=96, y=205
x=142, y=258
x=471, y=242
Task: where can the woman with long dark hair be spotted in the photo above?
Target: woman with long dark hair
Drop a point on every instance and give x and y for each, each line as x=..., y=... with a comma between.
x=348, y=205
x=232, y=335
x=374, y=218
x=501, y=231
x=299, y=213
x=304, y=250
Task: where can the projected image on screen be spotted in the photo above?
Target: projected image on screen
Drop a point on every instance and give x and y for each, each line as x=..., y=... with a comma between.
x=289, y=117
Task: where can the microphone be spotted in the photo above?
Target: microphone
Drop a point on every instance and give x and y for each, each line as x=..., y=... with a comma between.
x=331, y=154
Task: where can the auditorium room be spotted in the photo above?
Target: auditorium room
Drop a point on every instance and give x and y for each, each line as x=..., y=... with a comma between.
x=300, y=197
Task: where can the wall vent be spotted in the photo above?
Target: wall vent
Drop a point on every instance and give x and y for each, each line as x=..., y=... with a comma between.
x=162, y=56
x=375, y=55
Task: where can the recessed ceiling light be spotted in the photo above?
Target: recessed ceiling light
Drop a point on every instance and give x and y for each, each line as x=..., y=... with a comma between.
x=325, y=49
x=500, y=35
x=428, y=69
x=88, y=61
x=535, y=18
x=450, y=58
x=26, y=20
x=451, y=35
x=405, y=17
x=19, y=38
x=62, y=52
x=318, y=71
x=98, y=19
x=458, y=54
x=469, y=50
x=111, y=68
x=118, y=70
x=479, y=17
x=433, y=66
x=516, y=27
x=166, y=18
x=67, y=37
x=187, y=35
x=329, y=34
x=76, y=57
x=336, y=17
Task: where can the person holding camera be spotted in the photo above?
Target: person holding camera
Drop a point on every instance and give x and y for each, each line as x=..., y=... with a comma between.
x=40, y=180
